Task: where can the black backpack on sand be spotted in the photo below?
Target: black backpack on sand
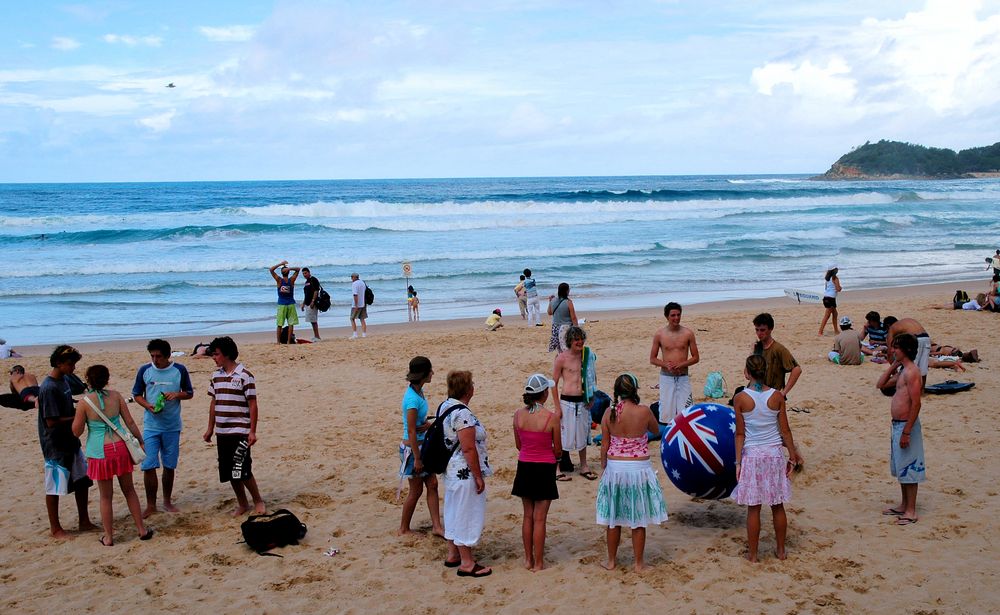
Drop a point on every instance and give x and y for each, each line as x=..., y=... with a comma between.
x=433, y=452
x=265, y=532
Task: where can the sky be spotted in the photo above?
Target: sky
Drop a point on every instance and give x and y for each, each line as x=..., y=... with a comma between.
x=436, y=88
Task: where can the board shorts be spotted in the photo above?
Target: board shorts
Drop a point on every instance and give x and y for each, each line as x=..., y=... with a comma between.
x=923, y=352
x=359, y=312
x=287, y=314
x=162, y=446
x=311, y=314
x=228, y=445
x=907, y=464
x=675, y=395
x=829, y=302
x=63, y=480
x=574, y=426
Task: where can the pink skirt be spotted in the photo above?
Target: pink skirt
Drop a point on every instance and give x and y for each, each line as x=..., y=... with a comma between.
x=116, y=462
x=763, y=478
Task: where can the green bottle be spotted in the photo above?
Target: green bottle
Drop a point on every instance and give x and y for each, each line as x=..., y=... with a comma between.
x=158, y=406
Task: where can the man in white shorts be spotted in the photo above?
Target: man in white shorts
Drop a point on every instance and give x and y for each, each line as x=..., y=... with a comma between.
x=674, y=350
x=573, y=403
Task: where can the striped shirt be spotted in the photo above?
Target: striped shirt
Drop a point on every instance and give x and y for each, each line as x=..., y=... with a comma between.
x=232, y=394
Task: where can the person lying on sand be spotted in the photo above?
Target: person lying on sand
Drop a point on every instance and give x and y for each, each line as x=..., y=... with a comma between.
x=24, y=385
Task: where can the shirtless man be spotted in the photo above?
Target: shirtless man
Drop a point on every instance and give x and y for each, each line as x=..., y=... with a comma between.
x=906, y=460
x=908, y=325
x=575, y=412
x=674, y=350
x=24, y=385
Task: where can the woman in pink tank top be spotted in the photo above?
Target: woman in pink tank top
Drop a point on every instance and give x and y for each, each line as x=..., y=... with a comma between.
x=539, y=445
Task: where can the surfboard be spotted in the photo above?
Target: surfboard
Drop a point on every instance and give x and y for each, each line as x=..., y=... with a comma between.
x=949, y=386
x=803, y=296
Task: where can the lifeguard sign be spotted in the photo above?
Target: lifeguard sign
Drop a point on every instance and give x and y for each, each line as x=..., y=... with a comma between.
x=407, y=269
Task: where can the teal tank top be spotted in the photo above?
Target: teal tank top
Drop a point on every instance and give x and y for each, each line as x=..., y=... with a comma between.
x=96, y=432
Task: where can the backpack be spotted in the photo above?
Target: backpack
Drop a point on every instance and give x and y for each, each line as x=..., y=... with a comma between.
x=323, y=301
x=285, y=332
x=961, y=297
x=369, y=295
x=433, y=452
x=715, y=385
x=265, y=532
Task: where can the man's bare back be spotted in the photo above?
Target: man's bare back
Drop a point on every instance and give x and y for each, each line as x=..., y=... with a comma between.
x=671, y=349
x=905, y=325
x=21, y=381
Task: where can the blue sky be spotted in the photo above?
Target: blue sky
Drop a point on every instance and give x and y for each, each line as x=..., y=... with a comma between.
x=434, y=88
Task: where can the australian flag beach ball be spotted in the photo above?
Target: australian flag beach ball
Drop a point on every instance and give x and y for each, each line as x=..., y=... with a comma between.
x=698, y=451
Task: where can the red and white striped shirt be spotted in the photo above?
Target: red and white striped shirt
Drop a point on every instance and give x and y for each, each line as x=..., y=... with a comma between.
x=232, y=393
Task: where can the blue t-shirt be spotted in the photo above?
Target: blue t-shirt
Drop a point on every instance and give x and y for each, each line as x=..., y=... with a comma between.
x=530, y=290
x=150, y=381
x=286, y=292
x=412, y=399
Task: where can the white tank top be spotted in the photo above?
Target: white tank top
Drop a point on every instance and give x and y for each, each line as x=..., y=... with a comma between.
x=761, y=423
x=831, y=289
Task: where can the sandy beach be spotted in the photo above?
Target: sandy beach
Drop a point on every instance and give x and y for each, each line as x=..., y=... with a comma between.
x=328, y=432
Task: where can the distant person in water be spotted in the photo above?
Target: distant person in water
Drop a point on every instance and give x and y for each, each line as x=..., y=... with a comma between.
x=286, y=298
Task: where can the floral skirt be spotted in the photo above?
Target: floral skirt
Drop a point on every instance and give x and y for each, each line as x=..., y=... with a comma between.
x=629, y=495
x=763, y=477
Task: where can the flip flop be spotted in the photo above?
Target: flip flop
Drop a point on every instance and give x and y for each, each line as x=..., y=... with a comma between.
x=905, y=521
x=893, y=512
x=477, y=571
x=147, y=535
x=454, y=564
x=589, y=475
x=803, y=410
x=101, y=540
x=562, y=478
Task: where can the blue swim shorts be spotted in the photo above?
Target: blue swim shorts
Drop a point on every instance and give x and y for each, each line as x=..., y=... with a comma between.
x=163, y=445
x=907, y=464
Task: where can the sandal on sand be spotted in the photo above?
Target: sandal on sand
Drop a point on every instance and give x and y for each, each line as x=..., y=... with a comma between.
x=803, y=410
x=477, y=571
x=905, y=521
x=147, y=535
x=589, y=475
x=562, y=478
x=454, y=564
x=893, y=512
x=101, y=540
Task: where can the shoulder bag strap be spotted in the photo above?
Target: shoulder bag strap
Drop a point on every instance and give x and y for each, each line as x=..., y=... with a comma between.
x=107, y=420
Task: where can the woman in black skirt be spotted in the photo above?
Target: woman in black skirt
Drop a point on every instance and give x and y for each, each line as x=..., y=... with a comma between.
x=539, y=445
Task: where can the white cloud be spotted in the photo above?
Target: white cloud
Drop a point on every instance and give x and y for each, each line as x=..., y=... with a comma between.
x=832, y=82
x=228, y=34
x=158, y=123
x=64, y=43
x=132, y=41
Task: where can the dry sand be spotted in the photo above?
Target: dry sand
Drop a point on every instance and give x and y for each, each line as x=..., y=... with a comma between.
x=329, y=428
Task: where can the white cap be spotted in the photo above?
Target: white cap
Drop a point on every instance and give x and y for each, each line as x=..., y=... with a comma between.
x=832, y=266
x=538, y=383
x=846, y=322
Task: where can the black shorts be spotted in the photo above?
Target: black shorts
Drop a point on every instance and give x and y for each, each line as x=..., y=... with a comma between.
x=829, y=302
x=228, y=445
x=535, y=481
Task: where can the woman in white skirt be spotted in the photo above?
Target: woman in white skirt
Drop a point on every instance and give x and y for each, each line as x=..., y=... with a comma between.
x=464, y=479
x=629, y=493
x=761, y=467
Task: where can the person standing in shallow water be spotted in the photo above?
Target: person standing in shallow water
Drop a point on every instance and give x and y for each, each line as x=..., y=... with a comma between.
x=286, y=298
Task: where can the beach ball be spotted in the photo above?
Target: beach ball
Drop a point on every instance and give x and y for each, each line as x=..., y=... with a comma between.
x=698, y=451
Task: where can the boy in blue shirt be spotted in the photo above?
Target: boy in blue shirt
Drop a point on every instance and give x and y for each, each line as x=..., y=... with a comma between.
x=159, y=388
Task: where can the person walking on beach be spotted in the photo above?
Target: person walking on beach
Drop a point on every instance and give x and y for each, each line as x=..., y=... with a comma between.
x=65, y=465
x=575, y=368
x=537, y=439
x=906, y=459
x=563, y=314
x=232, y=417
x=286, y=299
x=522, y=298
x=359, y=309
x=309, y=300
x=761, y=468
x=830, y=298
x=674, y=351
x=779, y=360
x=908, y=325
x=159, y=387
x=415, y=426
x=108, y=457
x=534, y=304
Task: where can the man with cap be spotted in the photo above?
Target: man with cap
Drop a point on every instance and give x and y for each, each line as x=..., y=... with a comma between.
x=847, y=345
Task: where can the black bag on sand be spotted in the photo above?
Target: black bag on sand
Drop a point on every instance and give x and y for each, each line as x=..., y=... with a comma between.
x=265, y=532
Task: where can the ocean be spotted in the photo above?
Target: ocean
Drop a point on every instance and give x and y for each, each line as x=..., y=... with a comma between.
x=111, y=261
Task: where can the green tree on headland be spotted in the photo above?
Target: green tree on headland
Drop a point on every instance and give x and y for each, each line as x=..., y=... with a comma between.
x=897, y=159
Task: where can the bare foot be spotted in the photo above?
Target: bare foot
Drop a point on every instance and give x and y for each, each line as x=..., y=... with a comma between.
x=781, y=554
x=641, y=567
x=87, y=526
x=259, y=508
x=169, y=507
x=406, y=532
x=239, y=511
x=438, y=532
x=529, y=565
x=608, y=565
x=149, y=512
x=752, y=558
x=62, y=534
x=538, y=568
